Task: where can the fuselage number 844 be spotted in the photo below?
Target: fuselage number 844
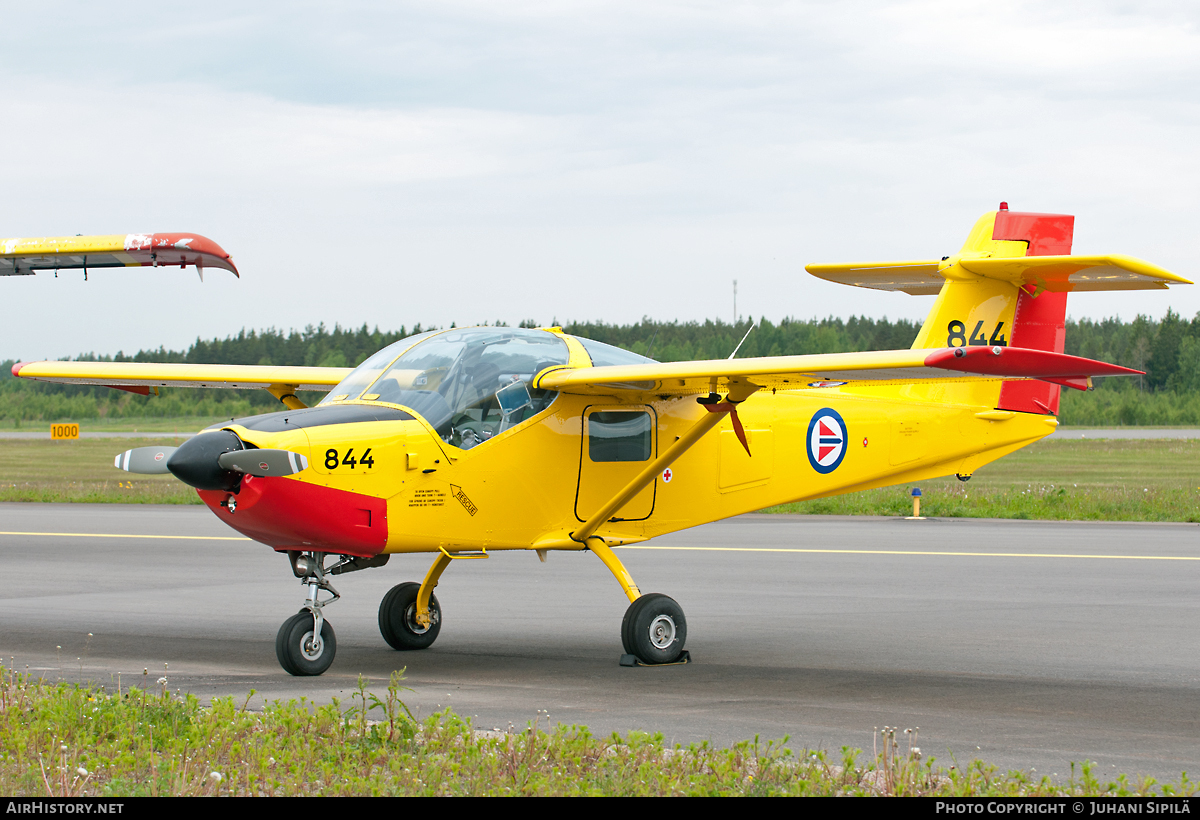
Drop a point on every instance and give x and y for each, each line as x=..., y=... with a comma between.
x=332, y=462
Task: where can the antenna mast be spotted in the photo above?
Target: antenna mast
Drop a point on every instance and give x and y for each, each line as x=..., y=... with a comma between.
x=743, y=341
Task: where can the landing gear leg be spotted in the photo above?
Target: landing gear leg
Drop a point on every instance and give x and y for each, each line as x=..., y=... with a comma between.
x=306, y=644
x=654, y=629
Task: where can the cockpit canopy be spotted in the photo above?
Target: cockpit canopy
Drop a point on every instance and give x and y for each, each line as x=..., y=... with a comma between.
x=469, y=383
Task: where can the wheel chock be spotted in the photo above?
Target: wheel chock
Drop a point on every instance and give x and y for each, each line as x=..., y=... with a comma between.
x=632, y=660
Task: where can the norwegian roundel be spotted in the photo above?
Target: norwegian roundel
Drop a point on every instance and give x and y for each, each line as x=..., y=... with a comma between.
x=827, y=437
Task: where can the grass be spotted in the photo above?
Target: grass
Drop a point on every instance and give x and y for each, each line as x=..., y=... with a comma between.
x=67, y=741
x=177, y=424
x=1067, y=479
x=83, y=471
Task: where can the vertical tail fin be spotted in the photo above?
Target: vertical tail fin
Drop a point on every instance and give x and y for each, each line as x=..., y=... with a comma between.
x=976, y=310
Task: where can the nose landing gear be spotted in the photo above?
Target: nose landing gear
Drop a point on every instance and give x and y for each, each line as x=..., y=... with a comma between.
x=306, y=644
x=299, y=649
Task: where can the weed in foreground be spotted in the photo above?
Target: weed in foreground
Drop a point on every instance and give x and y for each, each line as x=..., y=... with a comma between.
x=67, y=740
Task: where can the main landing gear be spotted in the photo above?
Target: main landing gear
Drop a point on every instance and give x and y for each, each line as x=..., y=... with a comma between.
x=398, y=618
x=654, y=629
x=409, y=615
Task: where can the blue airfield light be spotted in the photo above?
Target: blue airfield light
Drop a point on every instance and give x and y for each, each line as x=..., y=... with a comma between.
x=916, y=497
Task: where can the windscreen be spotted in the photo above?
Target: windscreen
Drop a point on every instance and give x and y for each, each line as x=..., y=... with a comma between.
x=470, y=384
x=603, y=355
x=366, y=373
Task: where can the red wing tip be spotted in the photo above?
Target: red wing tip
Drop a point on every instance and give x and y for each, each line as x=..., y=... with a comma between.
x=191, y=242
x=16, y=368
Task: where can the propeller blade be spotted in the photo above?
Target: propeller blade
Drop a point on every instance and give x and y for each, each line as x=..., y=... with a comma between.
x=145, y=460
x=263, y=462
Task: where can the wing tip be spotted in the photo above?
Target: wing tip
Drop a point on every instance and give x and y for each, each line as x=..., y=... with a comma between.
x=198, y=243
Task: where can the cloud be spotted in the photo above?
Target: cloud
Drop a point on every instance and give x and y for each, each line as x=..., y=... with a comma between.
x=395, y=163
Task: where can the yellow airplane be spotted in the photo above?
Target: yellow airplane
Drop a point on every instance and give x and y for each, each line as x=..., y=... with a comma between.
x=463, y=442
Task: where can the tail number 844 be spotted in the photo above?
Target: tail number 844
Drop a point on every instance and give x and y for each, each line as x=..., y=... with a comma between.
x=332, y=460
x=957, y=335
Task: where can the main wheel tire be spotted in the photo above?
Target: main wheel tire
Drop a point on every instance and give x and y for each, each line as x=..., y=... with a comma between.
x=295, y=650
x=398, y=618
x=654, y=629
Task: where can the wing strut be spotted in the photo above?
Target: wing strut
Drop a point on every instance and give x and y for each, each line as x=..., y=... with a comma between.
x=286, y=393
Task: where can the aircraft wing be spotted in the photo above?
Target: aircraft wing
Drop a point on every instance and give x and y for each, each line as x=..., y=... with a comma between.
x=139, y=377
x=25, y=256
x=886, y=367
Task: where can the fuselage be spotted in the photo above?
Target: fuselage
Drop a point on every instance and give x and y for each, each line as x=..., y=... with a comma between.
x=394, y=485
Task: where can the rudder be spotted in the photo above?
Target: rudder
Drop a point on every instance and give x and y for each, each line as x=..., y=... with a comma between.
x=1041, y=317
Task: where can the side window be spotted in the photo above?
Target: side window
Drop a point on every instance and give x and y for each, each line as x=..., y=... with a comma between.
x=620, y=435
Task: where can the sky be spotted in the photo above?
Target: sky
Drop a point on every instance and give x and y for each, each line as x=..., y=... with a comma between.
x=394, y=163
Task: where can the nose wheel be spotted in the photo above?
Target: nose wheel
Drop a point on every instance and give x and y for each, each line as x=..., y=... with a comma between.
x=303, y=648
x=654, y=629
x=305, y=644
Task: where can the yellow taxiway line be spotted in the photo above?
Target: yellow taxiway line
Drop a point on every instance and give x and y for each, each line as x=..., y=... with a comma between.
x=122, y=535
x=919, y=552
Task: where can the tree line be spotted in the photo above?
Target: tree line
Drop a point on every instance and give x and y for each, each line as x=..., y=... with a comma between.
x=1167, y=349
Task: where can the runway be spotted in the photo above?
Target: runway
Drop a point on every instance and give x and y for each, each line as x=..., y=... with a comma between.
x=1026, y=644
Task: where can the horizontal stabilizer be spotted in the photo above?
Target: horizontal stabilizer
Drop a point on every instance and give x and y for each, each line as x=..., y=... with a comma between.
x=25, y=256
x=915, y=278
x=1064, y=274
x=1057, y=274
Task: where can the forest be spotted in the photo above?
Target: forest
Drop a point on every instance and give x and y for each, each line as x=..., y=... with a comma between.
x=1168, y=349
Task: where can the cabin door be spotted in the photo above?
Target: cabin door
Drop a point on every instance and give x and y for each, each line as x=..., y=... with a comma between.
x=618, y=442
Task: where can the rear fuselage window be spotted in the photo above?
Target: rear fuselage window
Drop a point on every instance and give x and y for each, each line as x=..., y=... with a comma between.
x=619, y=436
